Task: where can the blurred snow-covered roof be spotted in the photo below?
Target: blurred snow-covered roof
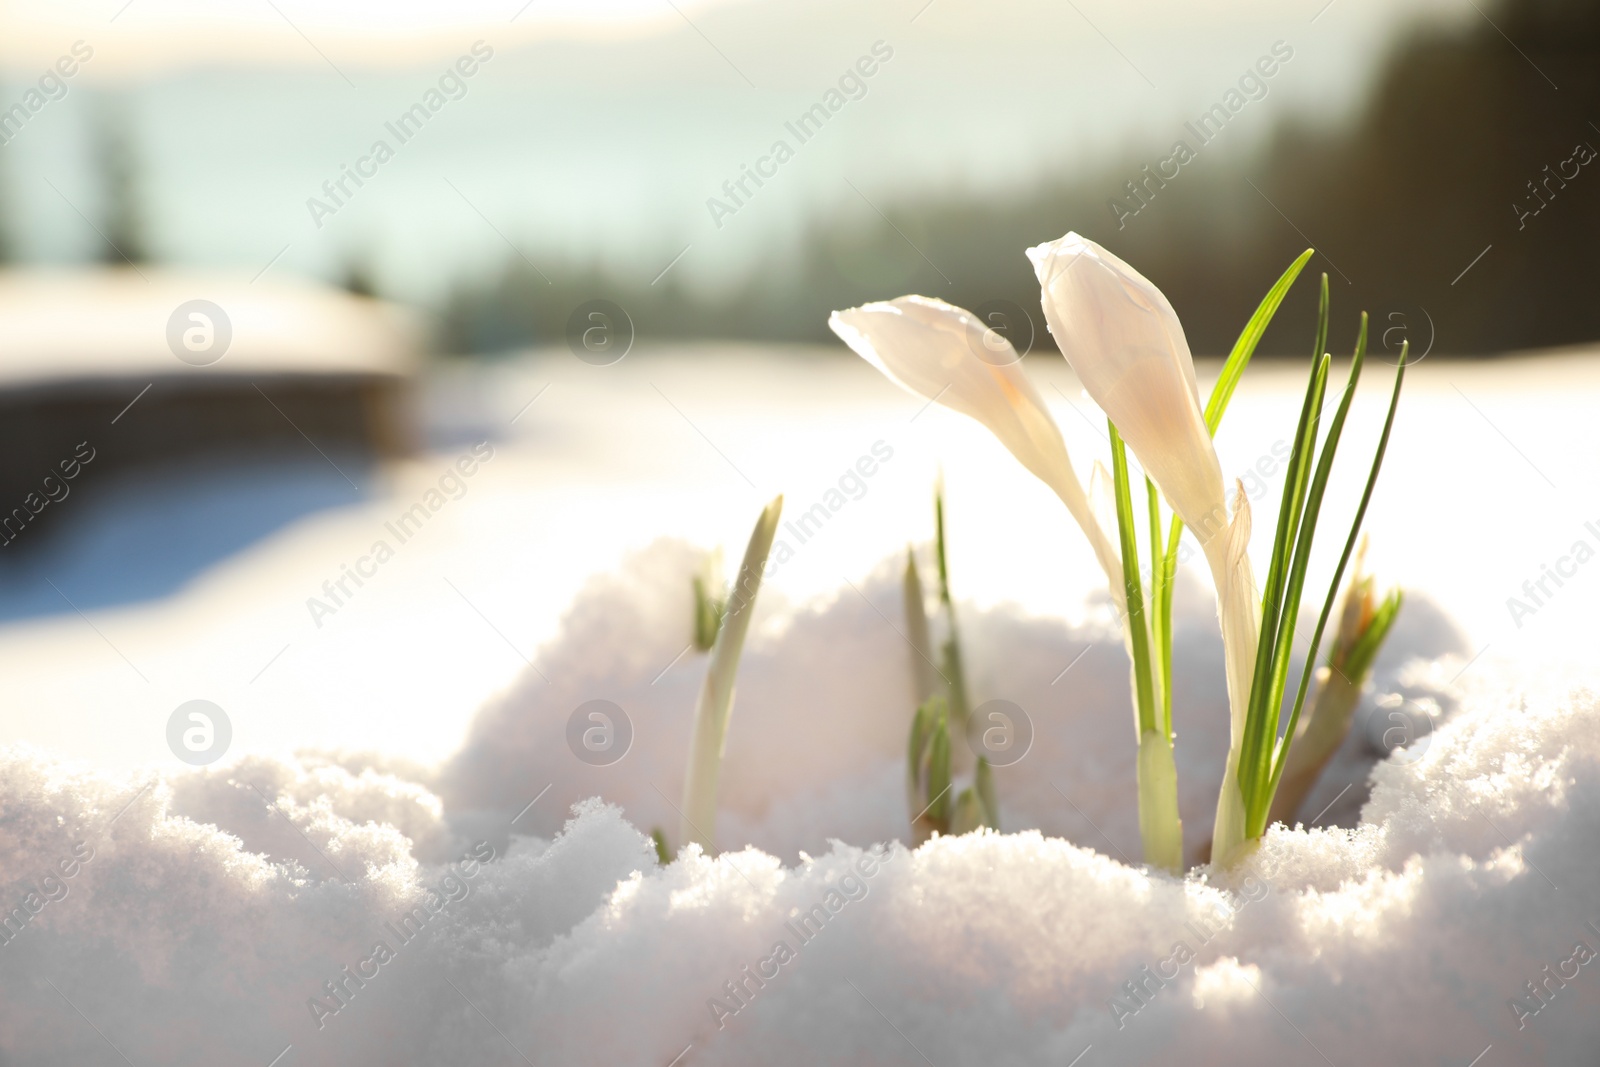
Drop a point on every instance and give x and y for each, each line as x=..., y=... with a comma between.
x=82, y=325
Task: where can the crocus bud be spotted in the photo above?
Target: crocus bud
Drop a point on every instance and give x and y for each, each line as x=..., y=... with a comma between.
x=1127, y=347
x=929, y=348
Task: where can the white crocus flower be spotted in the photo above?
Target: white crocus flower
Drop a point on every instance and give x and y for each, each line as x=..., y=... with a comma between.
x=1127, y=347
x=944, y=353
x=931, y=348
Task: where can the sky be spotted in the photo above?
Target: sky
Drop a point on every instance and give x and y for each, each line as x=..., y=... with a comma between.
x=599, y=132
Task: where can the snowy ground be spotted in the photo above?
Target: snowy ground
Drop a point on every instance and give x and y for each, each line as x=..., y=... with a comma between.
x=204, y=922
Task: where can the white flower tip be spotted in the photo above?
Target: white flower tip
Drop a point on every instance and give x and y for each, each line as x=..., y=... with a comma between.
x=852, y=322
x=1072, y=244
x=1053, y=259
x=1071, y=241
x=853, y=326
x=845, y=323
x=900, y=305
x=920, y=320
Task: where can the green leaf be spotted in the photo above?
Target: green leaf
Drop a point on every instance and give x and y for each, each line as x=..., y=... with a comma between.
x=1138, y=630
x=938, y=541
x=1261, y=716
x=1290, y=611
x=715, y=705
x=663, y=853
x=1349, y=547
x=939, y=802
x=1358, y=658
x=1161, y=630
x=1322, y=321
x=914, y=753
x=917, y=633
x=1245, y=346
x=953, y=670
x=968, y=813
x=983, y=785
x=928, y=716
x=708, y=611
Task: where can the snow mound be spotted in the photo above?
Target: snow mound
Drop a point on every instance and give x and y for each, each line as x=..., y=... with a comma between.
x=816, y=747
x=1456, y=916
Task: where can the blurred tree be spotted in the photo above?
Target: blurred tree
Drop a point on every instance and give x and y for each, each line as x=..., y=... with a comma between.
x=8, y=237
x=1466, y=146
x=122, y=214
x=359, y=278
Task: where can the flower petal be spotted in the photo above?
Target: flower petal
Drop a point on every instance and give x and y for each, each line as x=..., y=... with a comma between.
x=946, y=354
x=1127, y=346
x=1238, y=608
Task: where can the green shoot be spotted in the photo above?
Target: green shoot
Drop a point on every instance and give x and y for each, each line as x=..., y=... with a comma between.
x=1160, y=602
x=716, y=693
x=953, y=670
x=1354, y=659
x=939, y=772
x=928, y=770
x=663, y=853
x=710, y=604
x=1368, y=647
x=1160, y=826
x=968, y=814
x=1363, y=625
x=923, y=679
x=1245, y=346
x=922, y=723
x=983, y=786
x=929, y=781
x=1264, y=754
x=975, y=807
x=1138, y=631
x=934, y=806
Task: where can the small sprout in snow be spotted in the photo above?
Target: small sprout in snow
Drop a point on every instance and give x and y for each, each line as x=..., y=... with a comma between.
x=663, y=853
x=716, y=693
x=933, y=805
x=1364, y=622
x=928, y=770
x=954, y=672
x=710, y=601
x=924, y=679
x=976, y=807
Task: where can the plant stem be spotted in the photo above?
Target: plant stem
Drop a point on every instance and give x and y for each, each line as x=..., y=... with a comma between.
x=923, y=679
x=1160, y=613
x=1133, y=591
x=954, y=668
x=1160, y=827
x=716, y=693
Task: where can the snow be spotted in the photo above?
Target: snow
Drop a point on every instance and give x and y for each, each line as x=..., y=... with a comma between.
x=217, y=902
x=1402, y=940
x=816, y=745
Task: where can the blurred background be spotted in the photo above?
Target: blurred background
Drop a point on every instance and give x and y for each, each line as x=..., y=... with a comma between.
x=271, y=268
x=582, y=156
